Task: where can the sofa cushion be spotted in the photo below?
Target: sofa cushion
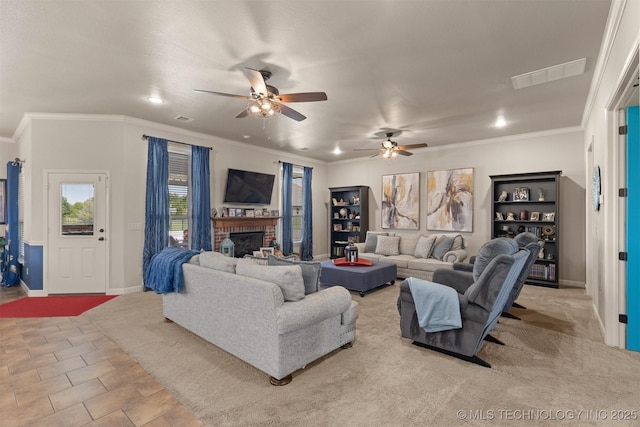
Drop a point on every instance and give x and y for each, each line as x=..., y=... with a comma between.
x=217, y=261
x=371, y=241
x=260, y=260
x=408, y=243
x=310, y=271
x=401, y=261
x=430, y=264
x=388, y=245
x=441, y=246
x=424, y=246
x=287, y=277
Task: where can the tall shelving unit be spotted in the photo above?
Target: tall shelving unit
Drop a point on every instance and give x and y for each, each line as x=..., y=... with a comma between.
x=532, y=203
x=348, y=217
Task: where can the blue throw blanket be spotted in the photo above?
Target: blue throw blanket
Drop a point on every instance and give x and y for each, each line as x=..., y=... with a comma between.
x=437, y=305
x=164, y=273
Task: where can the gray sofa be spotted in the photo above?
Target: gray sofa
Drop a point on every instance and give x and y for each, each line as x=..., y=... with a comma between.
x=414, y=254
x=269, y=316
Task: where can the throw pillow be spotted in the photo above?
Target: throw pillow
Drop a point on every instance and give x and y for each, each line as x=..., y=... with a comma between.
x=458, y=242
x=217, y=261
x=371, y=241
x=310, y=271
x=424, y=246
x=257, y=259
x=441, y=246
x=388, y=245
x=408, y=243
x=287, y=277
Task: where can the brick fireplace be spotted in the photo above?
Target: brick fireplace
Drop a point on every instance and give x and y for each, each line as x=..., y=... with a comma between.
x=223, y=226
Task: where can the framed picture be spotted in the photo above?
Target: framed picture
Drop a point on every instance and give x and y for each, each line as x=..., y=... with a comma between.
x=267, y=251
x=239, y=212
x=401, y=201
x=520, y=194
x=450, y=200
x=535, y=216
x=499, y=216
x=258, y=212
x=249, y=212
x=549, y=216
x=275, y=212
x=232, y=212
x=258, y=254
x=337, y=227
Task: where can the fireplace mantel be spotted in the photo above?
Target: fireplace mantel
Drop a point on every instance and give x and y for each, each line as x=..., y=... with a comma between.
x=243, y=221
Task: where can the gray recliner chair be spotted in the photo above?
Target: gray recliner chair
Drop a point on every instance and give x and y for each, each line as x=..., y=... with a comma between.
x=497, y=267
x=461, y=277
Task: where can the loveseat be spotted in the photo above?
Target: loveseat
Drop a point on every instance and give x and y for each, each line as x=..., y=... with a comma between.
x=271, y=316
x=414, y=254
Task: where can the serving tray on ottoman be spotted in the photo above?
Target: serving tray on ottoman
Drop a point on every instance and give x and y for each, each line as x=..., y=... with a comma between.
x=361, y=278
x=362, y=262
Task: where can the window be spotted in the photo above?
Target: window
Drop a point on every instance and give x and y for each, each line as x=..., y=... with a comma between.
x=179, y=195
x=297, y=204
x=77, y=209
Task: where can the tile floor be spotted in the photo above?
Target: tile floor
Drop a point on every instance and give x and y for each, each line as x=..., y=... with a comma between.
x=62, y=371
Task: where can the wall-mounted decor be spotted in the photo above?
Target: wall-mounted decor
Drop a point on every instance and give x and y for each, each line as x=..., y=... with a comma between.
x=401, y=201
x=450, y=200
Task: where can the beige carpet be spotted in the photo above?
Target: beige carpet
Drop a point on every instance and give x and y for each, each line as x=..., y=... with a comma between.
x=554, y=365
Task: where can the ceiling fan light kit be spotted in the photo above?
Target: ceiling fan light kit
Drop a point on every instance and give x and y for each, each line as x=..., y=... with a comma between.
x=266, y=101
x=390, y=149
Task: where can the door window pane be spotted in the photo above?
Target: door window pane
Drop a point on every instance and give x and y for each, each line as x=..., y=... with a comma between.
x=77, y=209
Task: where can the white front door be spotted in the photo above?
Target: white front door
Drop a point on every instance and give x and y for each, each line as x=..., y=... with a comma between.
x=77, y=236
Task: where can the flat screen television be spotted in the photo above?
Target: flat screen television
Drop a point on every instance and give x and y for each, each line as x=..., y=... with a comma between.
x=248, y=187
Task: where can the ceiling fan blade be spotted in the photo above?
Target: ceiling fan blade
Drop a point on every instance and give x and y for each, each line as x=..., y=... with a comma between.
x=404, y=147
x=222, y=94
x=404, y=153
x=291, y=113
x=303, y=97
x=242, y=114
x=256, y=80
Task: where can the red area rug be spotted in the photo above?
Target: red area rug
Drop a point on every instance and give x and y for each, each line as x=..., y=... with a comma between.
x=52, y=306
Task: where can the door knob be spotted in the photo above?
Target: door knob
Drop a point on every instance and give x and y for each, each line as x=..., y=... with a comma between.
x=101, y=238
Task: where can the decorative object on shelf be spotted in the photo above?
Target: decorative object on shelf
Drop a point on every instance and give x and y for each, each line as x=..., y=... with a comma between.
x=511, y=216
x=549, y=256
x=275, y=212
x=265, y=212
x=343, y=213
x=520, y=194
x=450, y=200
x=549, y=216
x=337, y=227
x=524, y=214
x=503, y=196
x=548, y=231
x=227, y=247
x=258, y=212
x=249, y=212
x=356, y=200
x=334, y=201
x=351, y=253
x=401, y=201
x=499, y=216
x=541, y=253
x=535, y=216
x=540, y=194
x=595, y=189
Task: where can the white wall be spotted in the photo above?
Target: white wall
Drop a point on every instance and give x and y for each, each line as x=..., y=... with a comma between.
x=620, y=46
x=553, y=150
x=114, y=144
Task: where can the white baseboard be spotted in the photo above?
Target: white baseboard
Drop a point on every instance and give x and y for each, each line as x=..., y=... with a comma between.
x=123, y=291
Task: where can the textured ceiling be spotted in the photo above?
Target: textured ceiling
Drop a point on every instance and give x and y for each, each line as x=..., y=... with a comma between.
x=440, y=71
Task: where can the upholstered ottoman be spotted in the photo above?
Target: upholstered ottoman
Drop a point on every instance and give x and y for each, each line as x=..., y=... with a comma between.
x=358, y=278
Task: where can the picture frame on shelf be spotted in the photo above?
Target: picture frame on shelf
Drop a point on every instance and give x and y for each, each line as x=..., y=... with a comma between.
x=258, y=254
x=258, y=212
x=275, y=212
x=535, y=216
x=521, y=194
x=337, y=227
x=266, y=212
x=249, y=212
x=549, y=216
x=239, y=212
x=266, y=251
x=232, y=212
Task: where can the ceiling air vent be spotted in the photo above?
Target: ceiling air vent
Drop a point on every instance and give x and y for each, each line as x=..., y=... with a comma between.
x=556, y=72
x=183, y=119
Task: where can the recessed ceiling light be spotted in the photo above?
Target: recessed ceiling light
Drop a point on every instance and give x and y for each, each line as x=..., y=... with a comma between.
x=246, y=136
x=337, y=151
x=154, y=100
x=500, y=123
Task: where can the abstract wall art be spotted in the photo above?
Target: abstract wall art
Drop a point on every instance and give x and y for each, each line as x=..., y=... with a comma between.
x=401, y=201
x=450, y=200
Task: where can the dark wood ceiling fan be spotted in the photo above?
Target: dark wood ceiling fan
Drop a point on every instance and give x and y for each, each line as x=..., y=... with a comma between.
x=391, y=148
x=267, y=100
